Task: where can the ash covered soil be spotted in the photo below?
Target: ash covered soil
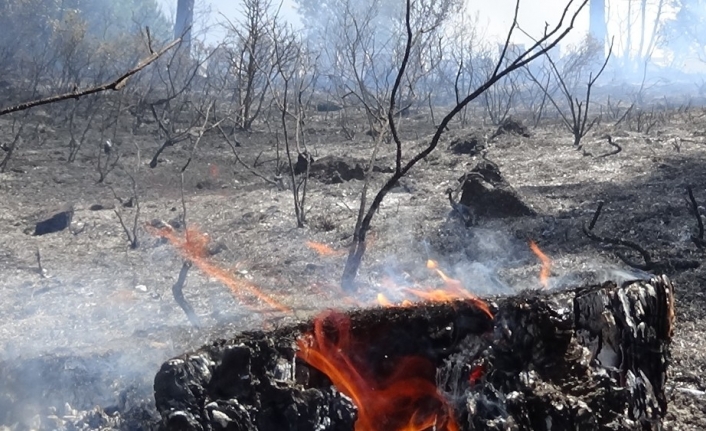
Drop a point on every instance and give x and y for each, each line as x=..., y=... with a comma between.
x=95, y=328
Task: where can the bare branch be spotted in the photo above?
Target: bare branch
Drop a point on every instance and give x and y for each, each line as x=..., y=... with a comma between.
x=115, y=85
x=547, y=42
x=699, y=239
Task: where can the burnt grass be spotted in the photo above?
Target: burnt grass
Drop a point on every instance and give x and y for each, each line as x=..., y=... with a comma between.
x=96, y=328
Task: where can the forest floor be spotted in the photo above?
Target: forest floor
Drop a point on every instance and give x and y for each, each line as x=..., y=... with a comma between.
x=94, y=329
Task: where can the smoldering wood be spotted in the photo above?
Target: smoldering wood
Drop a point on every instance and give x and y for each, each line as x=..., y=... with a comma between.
x=590, y=358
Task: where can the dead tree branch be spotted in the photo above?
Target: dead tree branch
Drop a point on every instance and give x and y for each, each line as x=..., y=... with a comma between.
x=548, y=41
x=649, y=265
x=130, y=233
x=699, y=239
x=199, y=134
x=576, y=120
x=115, y=85
x=617, y=149
x=239, y=160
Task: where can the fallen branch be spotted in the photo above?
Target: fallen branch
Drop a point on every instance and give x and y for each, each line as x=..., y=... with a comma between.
x=617, y=147
x=115, y=85
x=239, y=160
x=649, y=265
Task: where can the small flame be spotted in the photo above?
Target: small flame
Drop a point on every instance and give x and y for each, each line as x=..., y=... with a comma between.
x=546, y=270
x=451, y=284
x=407, y=400
x=213, y=171
x=194, y=247
x=453, y=290
x=322, y=249
x=382, y=300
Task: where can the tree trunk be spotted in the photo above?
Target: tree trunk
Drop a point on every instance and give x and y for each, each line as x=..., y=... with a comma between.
x=184, y=22
x=597, y=24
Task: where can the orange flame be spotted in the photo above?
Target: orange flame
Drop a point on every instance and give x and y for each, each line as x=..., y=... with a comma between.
x=407, y=400
x=453, y=290
x=194, y=247
x=322, y=249
x=545, y=272
x=451, y=284
x=382, y=300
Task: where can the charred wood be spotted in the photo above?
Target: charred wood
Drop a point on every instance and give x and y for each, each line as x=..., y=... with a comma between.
x=592, y=358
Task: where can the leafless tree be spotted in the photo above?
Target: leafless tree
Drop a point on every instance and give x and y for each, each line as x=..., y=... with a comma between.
x=178, y=100
x=296, y=75
x=549, y=39
x=573, y=110
x=466, y=53
x=78, y=130
x=249, y=48
x=18, y=126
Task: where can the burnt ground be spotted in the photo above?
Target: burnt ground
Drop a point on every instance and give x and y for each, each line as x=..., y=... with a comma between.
x=95, y=330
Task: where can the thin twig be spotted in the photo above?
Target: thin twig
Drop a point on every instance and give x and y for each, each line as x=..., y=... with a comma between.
x=42, y=271
x=649, y=264
x=395, y=88
x=200, y=131
x=183, y=207
x=596, y=215
x=238, y=159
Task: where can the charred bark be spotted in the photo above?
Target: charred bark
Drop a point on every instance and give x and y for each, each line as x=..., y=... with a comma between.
x=592, y=358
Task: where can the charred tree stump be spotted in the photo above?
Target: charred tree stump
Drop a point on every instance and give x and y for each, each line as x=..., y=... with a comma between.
x=592, y=358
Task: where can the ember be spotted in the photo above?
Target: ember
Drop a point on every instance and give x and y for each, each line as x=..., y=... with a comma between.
x=546, y=358
x=194, y=247
x=408, y=399
x=323, y=249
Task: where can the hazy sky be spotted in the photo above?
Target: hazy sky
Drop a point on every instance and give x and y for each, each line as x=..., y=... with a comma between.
x=495, y=15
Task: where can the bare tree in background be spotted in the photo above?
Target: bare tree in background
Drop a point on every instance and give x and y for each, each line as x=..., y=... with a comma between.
x=549, y=39
x=465, y=52
x=639, y=32
x=175, y=95
x=296, y=73
x=568, y=80
x=250, y=50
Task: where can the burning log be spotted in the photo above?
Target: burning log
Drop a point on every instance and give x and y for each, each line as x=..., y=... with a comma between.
x=592, y=358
